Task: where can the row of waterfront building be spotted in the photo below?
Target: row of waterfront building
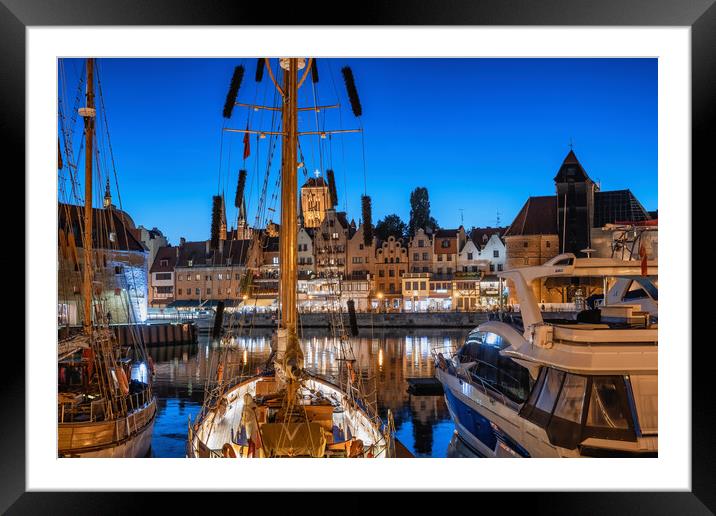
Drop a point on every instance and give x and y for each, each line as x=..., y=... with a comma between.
x=444, y=269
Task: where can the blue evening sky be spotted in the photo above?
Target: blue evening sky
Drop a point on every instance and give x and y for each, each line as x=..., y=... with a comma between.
x=481, y=134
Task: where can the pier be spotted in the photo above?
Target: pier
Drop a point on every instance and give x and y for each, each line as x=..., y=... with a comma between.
x=366, y=320
x=162, y=334
x=152, y=334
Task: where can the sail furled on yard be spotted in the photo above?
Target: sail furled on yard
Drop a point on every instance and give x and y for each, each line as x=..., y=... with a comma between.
x=233, y=92
x=314, y=71
x=215, y=221
x=260, y=64
x=240, y=185
x=367, y=219
x=332, y=187
x=352, y=91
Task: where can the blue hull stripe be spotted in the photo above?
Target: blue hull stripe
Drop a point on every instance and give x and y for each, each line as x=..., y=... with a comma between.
x=476, y=424
x=479, y=426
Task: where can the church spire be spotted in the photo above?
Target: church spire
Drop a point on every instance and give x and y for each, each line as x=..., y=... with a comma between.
x=222, y=226
x=107, y=196
x=242, y=212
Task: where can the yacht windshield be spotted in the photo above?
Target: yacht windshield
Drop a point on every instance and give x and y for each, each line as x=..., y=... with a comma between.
x=573, y=407
x=491, y=369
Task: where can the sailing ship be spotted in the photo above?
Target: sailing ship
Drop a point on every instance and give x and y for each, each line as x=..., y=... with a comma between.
x=540, y=387
x=284, y=409
x=106, y=407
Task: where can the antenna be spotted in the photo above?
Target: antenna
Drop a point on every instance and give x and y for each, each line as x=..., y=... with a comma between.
x=462, y=216
x=571, y=144
x=497, y=223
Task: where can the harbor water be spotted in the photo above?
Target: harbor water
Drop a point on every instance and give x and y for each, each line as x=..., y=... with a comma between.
x=384, y=358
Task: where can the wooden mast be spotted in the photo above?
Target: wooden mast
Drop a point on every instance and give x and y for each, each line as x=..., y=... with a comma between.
x=88, y=114
x=289, y=187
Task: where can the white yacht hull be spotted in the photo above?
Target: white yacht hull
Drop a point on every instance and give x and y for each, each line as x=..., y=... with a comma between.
x=495, y=429
x=491, y=428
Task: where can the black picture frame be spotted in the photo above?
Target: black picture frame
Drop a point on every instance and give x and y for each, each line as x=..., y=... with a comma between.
x=700, y=15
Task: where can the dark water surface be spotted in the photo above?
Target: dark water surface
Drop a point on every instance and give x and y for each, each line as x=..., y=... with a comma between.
x=386, y=358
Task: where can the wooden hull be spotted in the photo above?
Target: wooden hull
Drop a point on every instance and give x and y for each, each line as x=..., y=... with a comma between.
x=209, y=433
x=122, y=438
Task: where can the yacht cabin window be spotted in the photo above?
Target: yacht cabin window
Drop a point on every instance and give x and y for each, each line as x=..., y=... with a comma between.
x=572, y=407
x=492, y=370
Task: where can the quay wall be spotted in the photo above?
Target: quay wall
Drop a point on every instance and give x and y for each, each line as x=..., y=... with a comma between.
x=155, y=334
x=162, y=334
x=379, y=320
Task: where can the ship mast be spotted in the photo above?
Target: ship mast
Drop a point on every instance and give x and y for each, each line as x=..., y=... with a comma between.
x=288, y=250
x=88, y=113
x=288, y=350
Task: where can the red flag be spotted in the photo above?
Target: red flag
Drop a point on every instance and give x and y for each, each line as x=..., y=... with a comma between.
x=642, y=255
x=247, y=146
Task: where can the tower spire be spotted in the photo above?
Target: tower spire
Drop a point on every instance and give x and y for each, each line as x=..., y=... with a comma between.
x=107, y=195
x=222, y=226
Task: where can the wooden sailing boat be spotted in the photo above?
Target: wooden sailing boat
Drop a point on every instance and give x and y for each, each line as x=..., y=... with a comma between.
x=286, y=410
x=106, y=407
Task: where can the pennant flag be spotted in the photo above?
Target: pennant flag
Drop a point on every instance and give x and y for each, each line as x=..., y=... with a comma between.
x=247, y=145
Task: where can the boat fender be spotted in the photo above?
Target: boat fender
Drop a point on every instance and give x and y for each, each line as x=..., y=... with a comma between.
x=122, y=379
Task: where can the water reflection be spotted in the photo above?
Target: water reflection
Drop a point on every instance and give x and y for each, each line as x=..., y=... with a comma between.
x=386, y=359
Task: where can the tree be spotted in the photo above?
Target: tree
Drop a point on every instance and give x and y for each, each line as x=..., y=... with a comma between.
x=420, y=212
x=390, y=225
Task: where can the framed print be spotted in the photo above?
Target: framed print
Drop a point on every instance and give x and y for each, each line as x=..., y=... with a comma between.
x=463, y=263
